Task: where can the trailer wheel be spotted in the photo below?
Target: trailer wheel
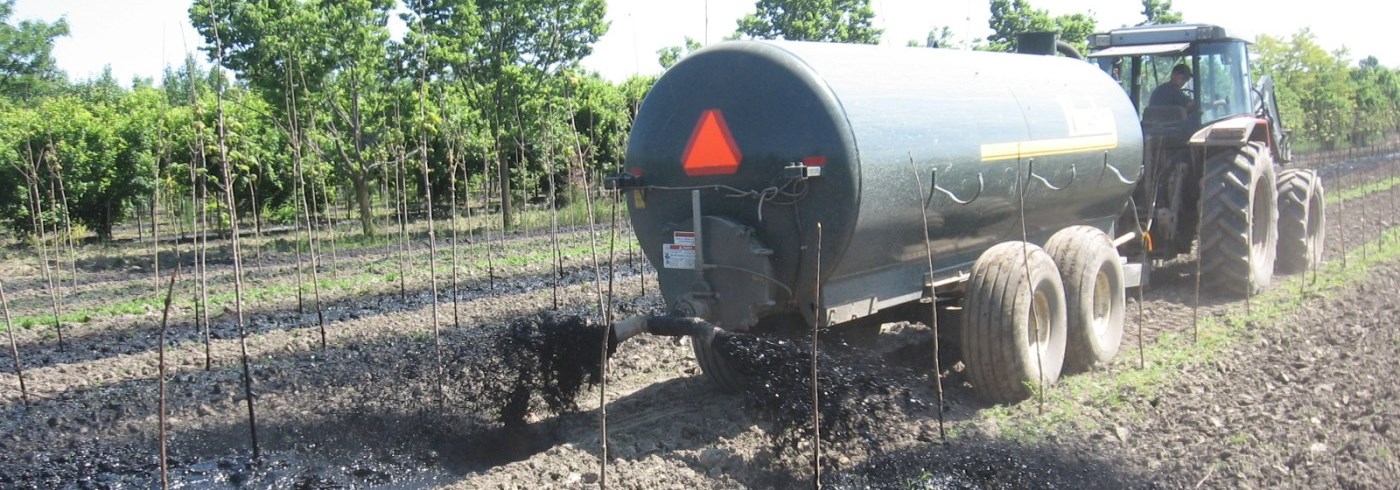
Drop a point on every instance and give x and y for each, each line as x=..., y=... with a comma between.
x=717, y=368
x=1301, y=220
x=1093, y=278
x=1013, y=334
x=1239, y=222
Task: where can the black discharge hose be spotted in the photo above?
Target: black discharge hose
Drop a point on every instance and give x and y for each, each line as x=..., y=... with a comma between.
x=670, y=326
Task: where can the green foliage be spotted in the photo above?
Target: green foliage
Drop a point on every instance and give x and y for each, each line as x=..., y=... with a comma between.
x=27, y=68
x=940, y=37
x=1159, y=12
x=476, y=89
x=668, y=56
x=843, y=21
x=1013, y=17
x=1324, y=99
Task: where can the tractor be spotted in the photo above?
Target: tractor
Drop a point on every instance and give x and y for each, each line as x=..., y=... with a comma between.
x=1214, y=153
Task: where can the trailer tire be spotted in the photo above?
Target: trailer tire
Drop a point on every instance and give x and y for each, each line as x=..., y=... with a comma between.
x=1013, y=332
x=1239, y=221
x=717, y=367
x=1093, y=279
x=1302, y=220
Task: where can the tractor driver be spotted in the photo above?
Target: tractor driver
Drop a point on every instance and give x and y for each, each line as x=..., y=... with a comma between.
x=1170, y=93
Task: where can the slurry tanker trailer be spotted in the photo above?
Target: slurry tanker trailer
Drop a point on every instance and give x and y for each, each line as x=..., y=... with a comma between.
x=780, y=185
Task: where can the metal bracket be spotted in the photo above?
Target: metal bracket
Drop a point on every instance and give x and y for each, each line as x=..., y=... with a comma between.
x=933, y=184
x=1073, y=173
x=1142, y=169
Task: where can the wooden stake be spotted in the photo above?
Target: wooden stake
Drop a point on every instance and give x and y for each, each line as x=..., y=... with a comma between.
x=933, y=295
x=237, y=261
x=164, y=318
x=14, y=347
x=816, y=392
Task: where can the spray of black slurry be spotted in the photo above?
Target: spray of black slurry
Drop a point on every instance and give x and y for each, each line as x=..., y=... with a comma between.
x=537, y=362
x=857, y=391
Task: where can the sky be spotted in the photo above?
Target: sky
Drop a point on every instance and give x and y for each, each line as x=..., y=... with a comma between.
x=141, y=37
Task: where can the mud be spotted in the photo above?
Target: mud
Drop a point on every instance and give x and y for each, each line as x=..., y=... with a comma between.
x=988, y=464
x=859, y=396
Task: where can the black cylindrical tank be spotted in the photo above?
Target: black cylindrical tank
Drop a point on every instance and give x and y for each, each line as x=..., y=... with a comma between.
x=730, y=119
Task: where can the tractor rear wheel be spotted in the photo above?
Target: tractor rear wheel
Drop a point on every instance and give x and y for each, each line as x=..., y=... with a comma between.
x=1239, y=221
x=1093, y=278
x=1301, y=220
x=1013, y=332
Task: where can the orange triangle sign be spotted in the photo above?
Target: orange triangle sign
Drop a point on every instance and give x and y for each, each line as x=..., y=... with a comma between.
x=711, y=150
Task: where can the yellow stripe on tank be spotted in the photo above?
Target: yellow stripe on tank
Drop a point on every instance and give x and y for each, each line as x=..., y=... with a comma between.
x=1048, y=147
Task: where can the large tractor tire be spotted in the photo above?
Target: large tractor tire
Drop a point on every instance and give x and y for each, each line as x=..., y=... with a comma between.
x=1302, y=225
x=1093, y=278
x=717, y=367
x=1239, y=222
x=1013, y=332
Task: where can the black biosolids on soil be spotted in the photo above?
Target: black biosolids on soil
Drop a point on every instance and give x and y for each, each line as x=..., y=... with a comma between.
x=972, y=462
x=857, y=390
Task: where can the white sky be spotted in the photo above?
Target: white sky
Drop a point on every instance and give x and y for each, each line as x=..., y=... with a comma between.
x=140, y=37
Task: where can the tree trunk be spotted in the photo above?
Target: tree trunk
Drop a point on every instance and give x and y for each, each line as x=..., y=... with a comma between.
x=361, y=182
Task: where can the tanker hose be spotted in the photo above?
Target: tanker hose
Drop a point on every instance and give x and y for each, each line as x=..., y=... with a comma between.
x=670, y=326
x=1067, y=49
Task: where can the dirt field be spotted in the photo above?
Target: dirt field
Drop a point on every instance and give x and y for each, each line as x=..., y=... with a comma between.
x=1305, y=400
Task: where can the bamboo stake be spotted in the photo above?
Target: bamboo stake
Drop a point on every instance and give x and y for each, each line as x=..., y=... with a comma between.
x=933, y=294
x=816, y=392
x=588, y=202
x=14, y=347
x=432, y=231
x=402, y=204
x=314, y=257
x=1342, y=205
x=203, y=259
x=164, y=318
x=155, y=220
x=558, y=257
x=452, y=193
x=330, y=225
x=57, y=172
x=467, y=208
x=199, y=220
x=486, y=200
x=38, y=207
x=1022, y=186
x=237, y=261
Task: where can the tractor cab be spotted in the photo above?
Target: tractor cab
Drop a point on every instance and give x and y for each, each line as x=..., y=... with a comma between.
x=1211, y=141
x=1147, y=62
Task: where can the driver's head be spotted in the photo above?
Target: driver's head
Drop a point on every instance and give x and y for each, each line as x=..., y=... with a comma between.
x=1181, y=74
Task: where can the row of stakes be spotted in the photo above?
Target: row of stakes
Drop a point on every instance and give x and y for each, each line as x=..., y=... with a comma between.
x=1328, y=162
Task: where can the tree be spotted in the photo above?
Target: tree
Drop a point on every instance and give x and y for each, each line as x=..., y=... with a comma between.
x=669, y=55
x=27, y=66
x=1011, y=18
x=1313, y=86
x=523, y=42
x=1158, y=12
x=358, y=87
x=939, y=37
x=843, y=21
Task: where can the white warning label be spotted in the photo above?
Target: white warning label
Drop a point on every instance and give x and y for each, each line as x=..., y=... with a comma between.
x=683, y=237
x=678, y=256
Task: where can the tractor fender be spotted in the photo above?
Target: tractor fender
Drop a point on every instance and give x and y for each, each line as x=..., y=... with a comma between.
x=1232, y=132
